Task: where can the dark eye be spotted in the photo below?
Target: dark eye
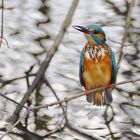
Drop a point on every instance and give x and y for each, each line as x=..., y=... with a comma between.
x=94, y=32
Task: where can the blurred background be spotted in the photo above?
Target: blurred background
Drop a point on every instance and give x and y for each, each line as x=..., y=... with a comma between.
x=30, y=27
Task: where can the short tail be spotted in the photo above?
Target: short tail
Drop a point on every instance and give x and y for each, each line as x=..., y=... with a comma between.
x=99, y=98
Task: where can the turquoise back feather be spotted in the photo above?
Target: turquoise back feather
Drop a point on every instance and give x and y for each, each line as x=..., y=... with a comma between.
x=113, y=65
x=81, y=67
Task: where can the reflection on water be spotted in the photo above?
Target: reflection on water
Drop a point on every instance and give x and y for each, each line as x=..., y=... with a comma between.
x=30, y=28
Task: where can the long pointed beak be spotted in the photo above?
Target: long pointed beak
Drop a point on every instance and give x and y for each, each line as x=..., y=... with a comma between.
x=82, y=29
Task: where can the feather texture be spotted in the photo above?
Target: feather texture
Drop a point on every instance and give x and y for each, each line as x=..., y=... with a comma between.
x=97, y=68
x=97, y=65
x=81, y=67
x=113, y=65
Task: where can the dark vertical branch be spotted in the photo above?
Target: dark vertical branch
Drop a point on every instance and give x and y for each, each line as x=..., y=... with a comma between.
x=124, y=38
x=28, y=84
x=47, y=60
x=2, y=16
x=64, y=121
x=107, y=122
x=63, y=110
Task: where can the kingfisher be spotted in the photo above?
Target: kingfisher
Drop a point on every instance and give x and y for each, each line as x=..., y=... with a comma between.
x=97, y=66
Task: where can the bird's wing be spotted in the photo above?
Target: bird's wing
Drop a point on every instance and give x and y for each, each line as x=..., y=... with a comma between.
x=81, y=67
x=113, y=66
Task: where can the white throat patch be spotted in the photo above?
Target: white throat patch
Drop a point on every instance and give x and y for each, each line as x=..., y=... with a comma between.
x=96, y=52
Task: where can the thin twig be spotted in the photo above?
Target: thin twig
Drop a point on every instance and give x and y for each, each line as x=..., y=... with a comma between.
x=63, y=110
x=70, y=98
x=15, y=124
x=114, y=41
x=62, y=107
x=82, y=94
x=5, y=82
x=60, y=102
x=2, y=16
x=48, y=58
x=127, y=25
x=13, y=101
x=121, y=54
x=2, y=22
x=107, y=122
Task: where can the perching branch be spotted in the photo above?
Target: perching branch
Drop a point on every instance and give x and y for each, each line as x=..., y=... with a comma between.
x=82, y=94
x=59, y=102
x=70, y=98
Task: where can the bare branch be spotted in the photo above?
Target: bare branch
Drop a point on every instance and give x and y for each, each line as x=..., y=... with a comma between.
x=2, y=7
x=59, y=102
x=2, y=19
x=127, y=25
x=70, y=98
x=121, y=54
x=47, y=60
x=15, y=124
x=63, y=110
x=82, y=94
x=5, y=82
x=13, y=101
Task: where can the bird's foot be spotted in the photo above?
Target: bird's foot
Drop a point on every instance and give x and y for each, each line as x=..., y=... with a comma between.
x=109, y=86
x=87, y=92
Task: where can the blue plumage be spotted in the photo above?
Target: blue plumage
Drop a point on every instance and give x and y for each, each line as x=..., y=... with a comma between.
x=97, y=40
x=113, y=65
x=97, y=66
x=98, y=29
x=81, y=67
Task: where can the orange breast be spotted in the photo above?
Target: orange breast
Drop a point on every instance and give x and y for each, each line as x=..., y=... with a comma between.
x=96, y=73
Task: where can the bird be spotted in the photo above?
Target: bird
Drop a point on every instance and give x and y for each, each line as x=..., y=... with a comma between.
x=97, y=67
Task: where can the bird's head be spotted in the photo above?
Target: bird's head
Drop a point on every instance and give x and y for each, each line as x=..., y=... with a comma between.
x=94, y=33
